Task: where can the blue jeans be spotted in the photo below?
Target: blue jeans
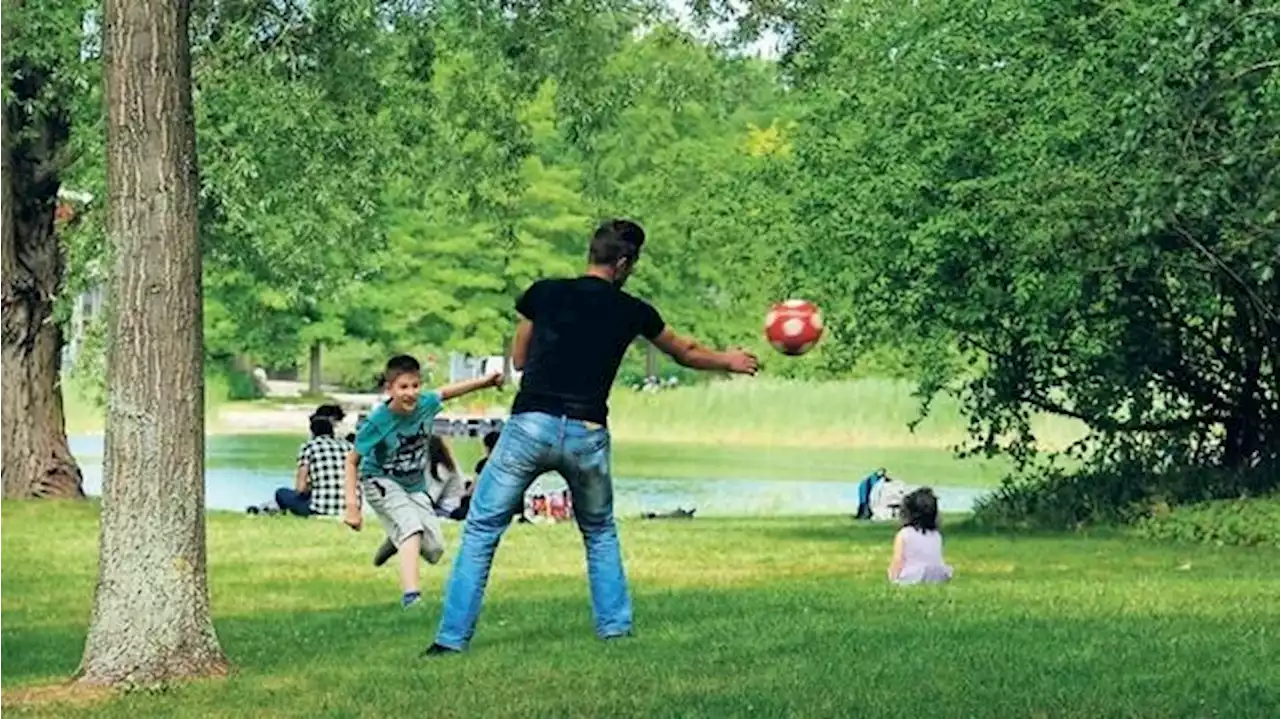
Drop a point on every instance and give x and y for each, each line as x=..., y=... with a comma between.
x=533, y=443
x=294, y=502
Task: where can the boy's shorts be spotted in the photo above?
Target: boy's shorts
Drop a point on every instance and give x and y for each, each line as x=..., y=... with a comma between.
x=404, y=514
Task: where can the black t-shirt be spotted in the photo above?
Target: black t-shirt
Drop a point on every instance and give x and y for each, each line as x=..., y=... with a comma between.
x=581, y=330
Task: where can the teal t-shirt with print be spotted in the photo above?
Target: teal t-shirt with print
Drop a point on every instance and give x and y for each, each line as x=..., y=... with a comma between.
x=394, y=446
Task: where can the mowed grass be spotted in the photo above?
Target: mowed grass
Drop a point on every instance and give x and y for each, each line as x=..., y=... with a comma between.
x=734, y=618
x=767, y=412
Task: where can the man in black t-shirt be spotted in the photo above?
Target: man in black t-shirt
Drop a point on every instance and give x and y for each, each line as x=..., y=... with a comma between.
x=570, y=341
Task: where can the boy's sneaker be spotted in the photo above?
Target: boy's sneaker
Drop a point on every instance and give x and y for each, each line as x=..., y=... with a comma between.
x=409, y=599
x=384, y=553
x=438, y=650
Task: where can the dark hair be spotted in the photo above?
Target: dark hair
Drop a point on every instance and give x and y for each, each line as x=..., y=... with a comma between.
x=615, y=240
x=437, y=454
x=490, y=440
x=398, y=365
x=920, y=510
x=321, y=426
x=331, y=411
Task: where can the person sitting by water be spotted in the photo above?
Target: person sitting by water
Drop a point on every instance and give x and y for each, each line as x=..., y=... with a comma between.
x=886, y=500
x=490, y=440
x=864, y=492
x=445, y=488
x=318, y=484
x=334, y=413
x=917, y=548
x=446, y=485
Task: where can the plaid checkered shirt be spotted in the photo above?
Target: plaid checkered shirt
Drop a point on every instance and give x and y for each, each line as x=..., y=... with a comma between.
x=326, y=461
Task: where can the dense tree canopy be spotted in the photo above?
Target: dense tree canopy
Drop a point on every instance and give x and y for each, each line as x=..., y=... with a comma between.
x=1070, y=208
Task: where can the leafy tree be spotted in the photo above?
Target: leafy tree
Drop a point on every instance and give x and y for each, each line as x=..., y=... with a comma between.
x=45, y=80
x=287, y=97
x=1081, y=200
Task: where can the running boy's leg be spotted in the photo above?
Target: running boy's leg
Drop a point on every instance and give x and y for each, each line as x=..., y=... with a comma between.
x=586, y=467
x=403, y=520
x=522, y=453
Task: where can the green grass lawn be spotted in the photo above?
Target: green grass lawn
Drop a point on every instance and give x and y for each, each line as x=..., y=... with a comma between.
x=734, y=618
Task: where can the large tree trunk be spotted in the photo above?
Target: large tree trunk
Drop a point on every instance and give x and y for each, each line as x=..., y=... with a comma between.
x=36, y=460
x=313, y=369
x=151, y=618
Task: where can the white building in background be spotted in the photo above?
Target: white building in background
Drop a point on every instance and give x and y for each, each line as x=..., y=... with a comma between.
x=464, y=367
x=87, y=306
x=90, y=303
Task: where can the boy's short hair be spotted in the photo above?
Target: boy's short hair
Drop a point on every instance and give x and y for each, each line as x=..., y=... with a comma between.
x=615, y=240
x=490, y=440
x=400, y=365
x=321, y=426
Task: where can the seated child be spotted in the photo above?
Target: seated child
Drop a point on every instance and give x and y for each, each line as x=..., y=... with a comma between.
x=390, y=460
x=917, y=548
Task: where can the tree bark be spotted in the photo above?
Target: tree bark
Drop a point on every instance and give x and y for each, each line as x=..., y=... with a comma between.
x=151, y=620
x=313, y=378
x=36, y=460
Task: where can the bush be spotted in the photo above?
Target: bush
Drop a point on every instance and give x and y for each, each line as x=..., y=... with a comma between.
x=1118, y=494
x=223, y=382
x=1251, y=523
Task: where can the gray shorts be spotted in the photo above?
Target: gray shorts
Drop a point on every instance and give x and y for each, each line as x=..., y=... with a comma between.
x=404, y=514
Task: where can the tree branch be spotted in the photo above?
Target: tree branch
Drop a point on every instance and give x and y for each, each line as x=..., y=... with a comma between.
x=1106, y=423
x=64, y=158
x=1259, y=67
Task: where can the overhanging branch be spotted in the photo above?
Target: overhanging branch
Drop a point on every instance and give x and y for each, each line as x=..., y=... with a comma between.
x=1108, y=424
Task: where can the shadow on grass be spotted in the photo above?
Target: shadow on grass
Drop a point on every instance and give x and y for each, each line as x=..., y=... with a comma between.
x=822, y=647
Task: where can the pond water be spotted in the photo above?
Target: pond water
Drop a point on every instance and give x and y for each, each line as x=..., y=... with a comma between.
x=243, y=471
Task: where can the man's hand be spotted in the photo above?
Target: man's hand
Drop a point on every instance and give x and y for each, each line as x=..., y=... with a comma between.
x=352, y=518
x=740, y=361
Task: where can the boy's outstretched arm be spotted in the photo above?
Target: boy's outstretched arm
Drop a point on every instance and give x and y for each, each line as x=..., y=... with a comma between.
x=688, y=353
x=353, y=517
x=457, y=389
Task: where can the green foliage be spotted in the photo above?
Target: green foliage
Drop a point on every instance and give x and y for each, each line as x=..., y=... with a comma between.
x=291, y=165
x=89, y=373
x=1237, y=522
x=1080, y=202
x=1122, y=493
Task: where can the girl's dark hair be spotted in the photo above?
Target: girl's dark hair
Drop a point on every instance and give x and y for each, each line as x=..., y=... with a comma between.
x=321, y=426
x=437, y=454
x=333, y=411
x=920, y=510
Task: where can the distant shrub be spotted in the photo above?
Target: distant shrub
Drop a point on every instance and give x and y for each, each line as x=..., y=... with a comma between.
x=1248, y=522
x=1119, y=494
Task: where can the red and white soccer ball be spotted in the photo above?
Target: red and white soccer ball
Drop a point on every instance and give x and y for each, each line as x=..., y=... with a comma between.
x=793, y=327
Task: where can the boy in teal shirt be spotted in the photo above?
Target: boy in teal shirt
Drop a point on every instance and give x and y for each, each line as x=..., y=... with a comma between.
x=390, y=459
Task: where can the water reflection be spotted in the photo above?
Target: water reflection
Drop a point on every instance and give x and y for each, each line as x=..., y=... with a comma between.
x=231, y=487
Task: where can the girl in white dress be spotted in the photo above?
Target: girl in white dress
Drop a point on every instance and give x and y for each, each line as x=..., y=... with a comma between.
x=917, y=548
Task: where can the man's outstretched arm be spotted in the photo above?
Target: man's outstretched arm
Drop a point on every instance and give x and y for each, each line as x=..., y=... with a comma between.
x=688, y=353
